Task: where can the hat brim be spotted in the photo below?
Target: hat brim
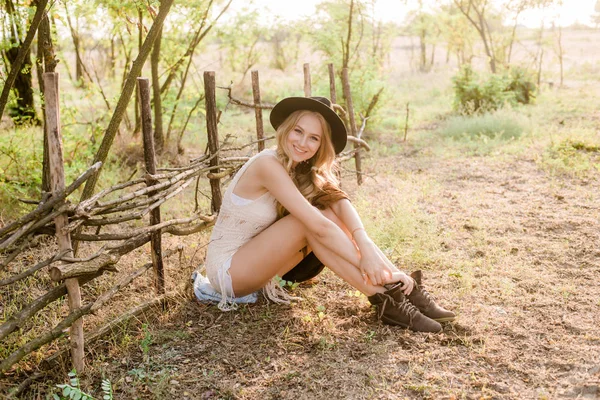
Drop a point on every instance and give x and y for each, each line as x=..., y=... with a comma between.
x=282, y=110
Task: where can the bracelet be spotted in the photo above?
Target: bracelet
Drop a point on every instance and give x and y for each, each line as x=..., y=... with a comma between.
x=357, y=229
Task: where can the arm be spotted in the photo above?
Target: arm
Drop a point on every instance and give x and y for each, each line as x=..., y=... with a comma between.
x=274, y=178
x=374, y=263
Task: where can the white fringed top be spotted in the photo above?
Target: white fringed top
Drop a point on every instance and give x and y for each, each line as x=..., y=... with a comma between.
x=237, y=223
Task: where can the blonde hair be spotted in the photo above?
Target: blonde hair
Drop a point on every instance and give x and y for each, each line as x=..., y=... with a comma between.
x=315, y=176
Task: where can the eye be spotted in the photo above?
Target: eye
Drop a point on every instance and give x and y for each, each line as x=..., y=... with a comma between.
x=315, y=138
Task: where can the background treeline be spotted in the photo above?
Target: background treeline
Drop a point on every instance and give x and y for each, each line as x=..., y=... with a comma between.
x=93, y=44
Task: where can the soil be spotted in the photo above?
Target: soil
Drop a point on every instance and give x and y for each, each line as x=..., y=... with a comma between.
x=517, y=260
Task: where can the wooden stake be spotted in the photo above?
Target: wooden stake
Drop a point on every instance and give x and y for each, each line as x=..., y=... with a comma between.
x=332, y=94
x=213, y=136
x=260, y=134
x=150, y=161
x=57, y=183
x=307, y=87
x=348, y=96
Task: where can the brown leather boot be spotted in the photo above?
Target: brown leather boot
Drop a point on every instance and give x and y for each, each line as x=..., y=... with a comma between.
x=399, y=311
x=425, y=303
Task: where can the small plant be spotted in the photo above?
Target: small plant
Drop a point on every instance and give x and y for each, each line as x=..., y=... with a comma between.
x=72, y=390
x=475, y=96
x=107, y=390
x=146, y=341
x=283, y=283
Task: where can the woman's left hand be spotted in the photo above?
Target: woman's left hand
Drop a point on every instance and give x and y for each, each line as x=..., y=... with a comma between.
x=374, y=268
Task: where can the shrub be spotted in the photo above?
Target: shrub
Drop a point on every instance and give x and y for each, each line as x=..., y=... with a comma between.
x=474, y=96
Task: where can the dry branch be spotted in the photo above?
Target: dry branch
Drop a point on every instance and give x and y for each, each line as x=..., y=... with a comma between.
x=18, y=320
x=58, y=330
x=58, y=197
x=262, y=106
x=104, y=262
x=92, y=337
x=360, y=142
x=32, y=270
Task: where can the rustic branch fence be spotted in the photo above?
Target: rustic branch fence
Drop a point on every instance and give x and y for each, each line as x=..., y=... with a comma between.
x=114, y=206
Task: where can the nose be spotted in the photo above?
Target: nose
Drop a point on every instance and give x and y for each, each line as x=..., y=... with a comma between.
x=303, y=140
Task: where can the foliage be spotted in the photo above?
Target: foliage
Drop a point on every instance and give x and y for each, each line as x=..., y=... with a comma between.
x=286, y=42
x=475, y=96
x=365, y=53
x=239, y=40
x=72, y=390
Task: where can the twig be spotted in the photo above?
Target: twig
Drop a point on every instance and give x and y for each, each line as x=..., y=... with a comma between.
x=262, y=105
x=359, y=141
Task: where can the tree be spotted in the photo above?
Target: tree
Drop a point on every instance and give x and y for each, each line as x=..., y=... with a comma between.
x=426, y=27
x=477, y=12
x=239, y=40
x=18, y=55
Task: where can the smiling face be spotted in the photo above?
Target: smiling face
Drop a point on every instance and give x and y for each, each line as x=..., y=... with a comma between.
x=304, y=139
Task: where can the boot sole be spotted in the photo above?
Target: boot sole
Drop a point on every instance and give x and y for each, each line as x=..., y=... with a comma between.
x=446, y=319
x=405, y=326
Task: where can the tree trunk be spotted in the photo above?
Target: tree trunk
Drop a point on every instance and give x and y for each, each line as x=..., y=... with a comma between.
x=46, y=62
x=128, y=88
x=561, y=54
x=158, y=124
x=79, y=67
x=138, y=120
x=423, y=45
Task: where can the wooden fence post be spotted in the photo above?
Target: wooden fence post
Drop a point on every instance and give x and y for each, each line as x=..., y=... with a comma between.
x=307, y=86
x=348, y=96
x=332, y=94
x=260, y=134
x=150, y=161
x=57, y=183
x=213, y=136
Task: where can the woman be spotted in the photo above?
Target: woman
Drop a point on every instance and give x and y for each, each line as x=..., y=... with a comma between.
x=283, y=214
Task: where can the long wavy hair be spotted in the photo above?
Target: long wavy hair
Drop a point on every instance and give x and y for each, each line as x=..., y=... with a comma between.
x=315, y=178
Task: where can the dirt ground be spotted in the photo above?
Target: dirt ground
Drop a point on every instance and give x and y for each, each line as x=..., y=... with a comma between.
x=517, y=258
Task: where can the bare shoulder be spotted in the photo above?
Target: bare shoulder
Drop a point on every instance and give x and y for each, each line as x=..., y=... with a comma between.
x=267, y=164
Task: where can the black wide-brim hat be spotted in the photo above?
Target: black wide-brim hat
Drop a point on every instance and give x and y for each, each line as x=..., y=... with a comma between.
x=322, y=105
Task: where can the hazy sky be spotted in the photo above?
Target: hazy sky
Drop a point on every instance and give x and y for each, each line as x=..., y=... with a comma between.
x=395, y=10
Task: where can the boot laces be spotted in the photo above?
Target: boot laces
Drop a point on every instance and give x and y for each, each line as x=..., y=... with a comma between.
x=407, y=307
x=426, y=295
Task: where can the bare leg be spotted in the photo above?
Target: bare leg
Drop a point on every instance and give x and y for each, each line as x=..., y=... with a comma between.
x=276, y=250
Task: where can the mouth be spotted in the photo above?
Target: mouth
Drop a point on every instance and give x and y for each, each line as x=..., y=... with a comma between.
x=297, y=150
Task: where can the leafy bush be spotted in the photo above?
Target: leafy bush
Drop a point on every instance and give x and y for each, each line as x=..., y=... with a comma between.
x=474, y=96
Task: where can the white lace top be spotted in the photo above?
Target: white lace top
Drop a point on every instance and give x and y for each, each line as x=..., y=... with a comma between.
x=237, y=223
